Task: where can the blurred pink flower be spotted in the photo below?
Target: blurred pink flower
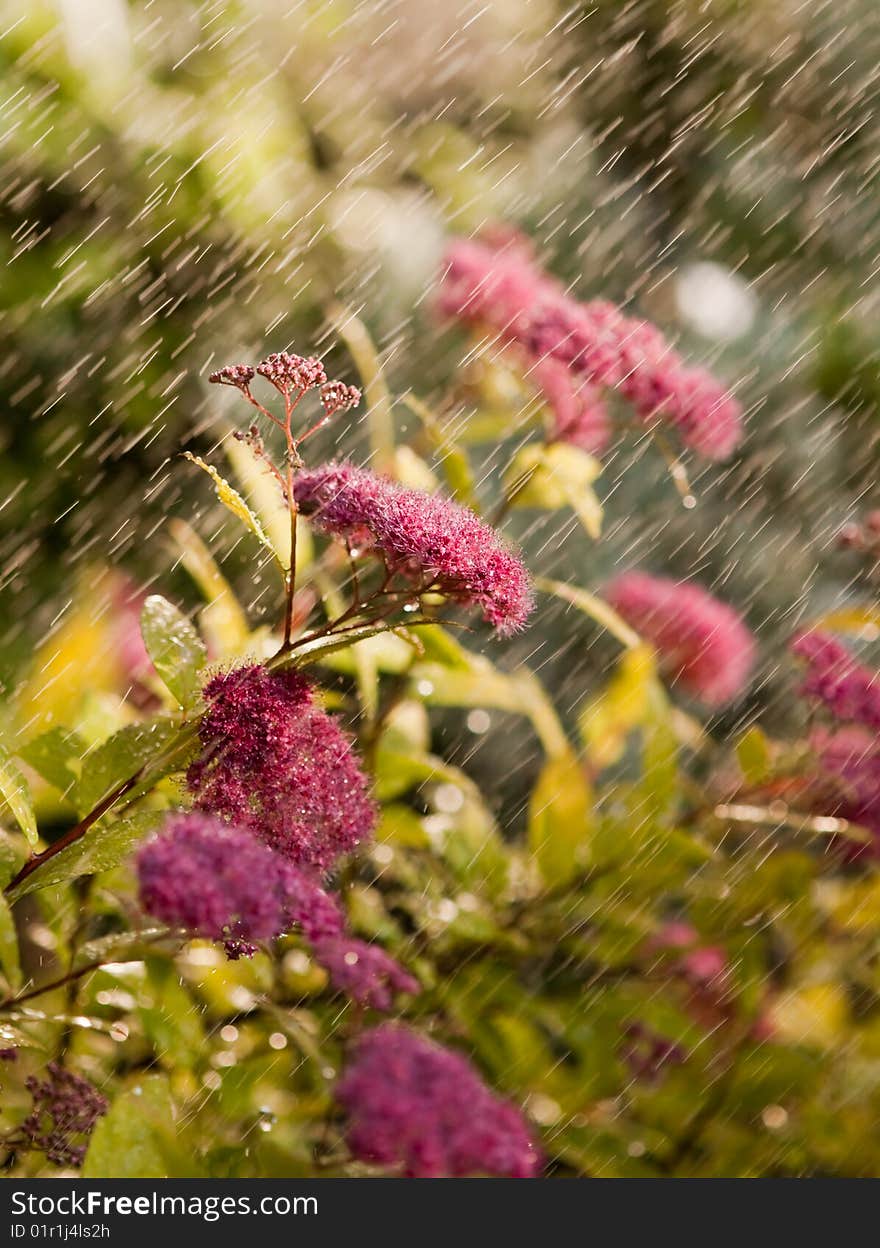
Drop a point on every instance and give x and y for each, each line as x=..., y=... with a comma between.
x=702, y=643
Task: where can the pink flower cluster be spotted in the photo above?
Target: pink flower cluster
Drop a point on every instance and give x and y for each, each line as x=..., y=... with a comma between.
x=64, y=1111
x=848, y=757
x=591, y=346
x=702, y=643
x=366, y=973
x=848, y=689
x=220, y=882
x=424, y=1110
x=277, y=765
x=428, y=540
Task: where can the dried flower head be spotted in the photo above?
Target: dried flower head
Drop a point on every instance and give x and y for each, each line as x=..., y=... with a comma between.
x=338, y=397
x=221, y=883
x=847, y=688
x=366, y=973
x=702, y=643
x=238, y=375
x=425, y=1111
x=279, y=766
x=288, y=372
x=63, y=1115
x=429, y=540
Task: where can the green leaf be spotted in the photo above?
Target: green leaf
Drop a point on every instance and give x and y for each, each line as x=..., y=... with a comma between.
x=119, y=758
x=561, y=820
x=380, y=422
x=9, y=959
x=16, y=792
x=231, y=498
x=177, y=651
x=753, y=755
x=136, y=1138
x=56, y=755
x=607, y=720
x=11, y=857
x=103, y=847
x=318, y=648
x=554, y=476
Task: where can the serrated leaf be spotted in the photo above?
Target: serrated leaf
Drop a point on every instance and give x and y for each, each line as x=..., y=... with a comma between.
x=135, y=1139
x=561, y=820
x=55, y=755
x=120, y=946
x=231, y=498
x=119, y=758
x=177, y=651
x=9, y=958
x=103, y=847
x=15, y=791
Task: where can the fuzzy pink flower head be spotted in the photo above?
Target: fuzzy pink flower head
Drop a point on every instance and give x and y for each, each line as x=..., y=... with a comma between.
x=64, y=1111
x=493, y=283
x=288, y=372
x=221, y=883
x=277, y=765
x=849, y=689
x=425, y=1111
x=427, y=539
x=366, y=973
x=702, y=643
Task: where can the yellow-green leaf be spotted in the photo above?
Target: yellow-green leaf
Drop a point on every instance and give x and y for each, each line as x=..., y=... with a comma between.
x=223, y=621
x=9, y=959
x=177, y=651
x=231, y=498
x=753, y=755
x=556, y=476
x=15, y=791
x=561, y=820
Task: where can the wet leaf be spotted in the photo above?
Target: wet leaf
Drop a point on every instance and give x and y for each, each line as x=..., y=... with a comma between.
x=177, y=651
x=136, y=1138
x=120, y=757
x=554, y=476
x=15, y=791
x=380, y=421
x=103, y=847
x=56, y=755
